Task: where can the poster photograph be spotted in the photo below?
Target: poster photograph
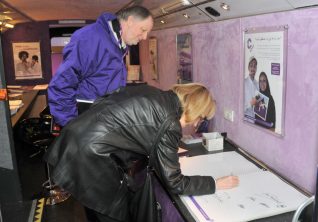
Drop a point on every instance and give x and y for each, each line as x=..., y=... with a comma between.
x=153, y=58
x=27, y=60
x=264, y=75
x=184, y=57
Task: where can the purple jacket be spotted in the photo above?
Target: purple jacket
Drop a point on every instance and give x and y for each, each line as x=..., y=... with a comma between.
x=92, y=66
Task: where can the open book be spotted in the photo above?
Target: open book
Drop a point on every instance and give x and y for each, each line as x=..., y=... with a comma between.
x=260, y=193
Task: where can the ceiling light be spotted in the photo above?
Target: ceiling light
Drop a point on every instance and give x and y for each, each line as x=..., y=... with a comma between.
x=72, y=21
x=225, y=6
x=7, y=12
x=8, y=25
x=185, y=2
x=4, y=18
x=173, y=6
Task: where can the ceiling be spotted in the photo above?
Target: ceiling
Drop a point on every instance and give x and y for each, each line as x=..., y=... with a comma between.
x=172, y=12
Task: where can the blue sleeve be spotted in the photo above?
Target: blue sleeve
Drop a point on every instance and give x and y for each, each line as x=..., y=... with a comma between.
x=63, y=87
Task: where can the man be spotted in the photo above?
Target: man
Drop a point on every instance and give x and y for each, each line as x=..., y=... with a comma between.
x=138, y=121
x=250, y=89
x=93, y=61
x=35, y=66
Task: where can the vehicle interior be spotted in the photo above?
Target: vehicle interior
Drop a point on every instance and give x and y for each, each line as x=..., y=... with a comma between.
x=25, y=177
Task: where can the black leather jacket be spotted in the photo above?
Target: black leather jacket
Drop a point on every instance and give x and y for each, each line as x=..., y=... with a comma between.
x=124, y=123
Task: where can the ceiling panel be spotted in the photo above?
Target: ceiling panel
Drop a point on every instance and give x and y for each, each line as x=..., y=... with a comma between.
x=194, y=15
x=302, y=3
x=250, y=7
x=42, y=10
x=8, y=14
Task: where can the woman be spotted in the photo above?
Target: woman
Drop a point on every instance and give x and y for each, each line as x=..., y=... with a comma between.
x=23, y=67
x=271, y=112
x=125, y=125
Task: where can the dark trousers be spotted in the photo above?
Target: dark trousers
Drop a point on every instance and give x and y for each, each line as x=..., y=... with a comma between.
x=82, y=107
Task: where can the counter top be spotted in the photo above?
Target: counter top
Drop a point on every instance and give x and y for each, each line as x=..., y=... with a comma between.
x=27, y=99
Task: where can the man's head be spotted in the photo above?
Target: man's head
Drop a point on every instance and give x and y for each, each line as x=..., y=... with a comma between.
x=35, y=58
x=136, y=23
x=252, y=67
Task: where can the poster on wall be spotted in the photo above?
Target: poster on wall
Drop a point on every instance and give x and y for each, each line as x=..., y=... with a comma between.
x=153, y=58
x=184, y=58
x=27, y=60
x=264, y=75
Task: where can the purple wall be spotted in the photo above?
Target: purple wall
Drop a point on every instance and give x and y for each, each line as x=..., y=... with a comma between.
x=57, y=59
x=218, y=63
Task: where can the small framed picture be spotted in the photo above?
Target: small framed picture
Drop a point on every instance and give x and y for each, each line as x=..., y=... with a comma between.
x=153, y=58
x=184, y=58
x=27, y=60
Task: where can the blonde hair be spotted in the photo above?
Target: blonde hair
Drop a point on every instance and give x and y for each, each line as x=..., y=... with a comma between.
x=196, y=101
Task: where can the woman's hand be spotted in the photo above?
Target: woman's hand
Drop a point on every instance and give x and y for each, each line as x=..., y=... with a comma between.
x=253, y=101
x=227, y=182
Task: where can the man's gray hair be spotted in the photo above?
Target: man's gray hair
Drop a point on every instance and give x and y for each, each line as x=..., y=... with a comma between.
x=138, y=12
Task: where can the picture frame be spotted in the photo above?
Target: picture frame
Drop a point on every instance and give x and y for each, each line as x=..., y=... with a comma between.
x=265, y=51
x=184, y=58
x=133, y=72
x=27, y=60
x=153, y=58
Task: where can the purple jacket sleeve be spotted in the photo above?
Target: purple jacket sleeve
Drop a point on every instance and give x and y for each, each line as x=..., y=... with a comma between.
x=62, y=89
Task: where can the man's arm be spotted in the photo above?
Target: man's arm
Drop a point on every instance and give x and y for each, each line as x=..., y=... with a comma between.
x=63, y=87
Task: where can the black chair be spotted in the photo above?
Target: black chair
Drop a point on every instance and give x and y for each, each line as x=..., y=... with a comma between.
x=37, y=134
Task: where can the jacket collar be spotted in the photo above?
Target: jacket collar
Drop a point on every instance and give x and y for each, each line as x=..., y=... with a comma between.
x=179, y=109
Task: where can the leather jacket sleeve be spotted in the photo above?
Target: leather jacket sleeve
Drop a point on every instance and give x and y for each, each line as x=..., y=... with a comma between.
x=167, y=166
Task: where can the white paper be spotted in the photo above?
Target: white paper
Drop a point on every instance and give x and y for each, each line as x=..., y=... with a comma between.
x=13, y=110
x=41, y=87
x=217, y=165
x=13, y=87
x=259, y=194
x=17, y=102
x=189, y=139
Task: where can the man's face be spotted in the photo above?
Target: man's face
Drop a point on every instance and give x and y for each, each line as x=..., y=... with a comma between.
x=135, y=30
x=252, y=67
